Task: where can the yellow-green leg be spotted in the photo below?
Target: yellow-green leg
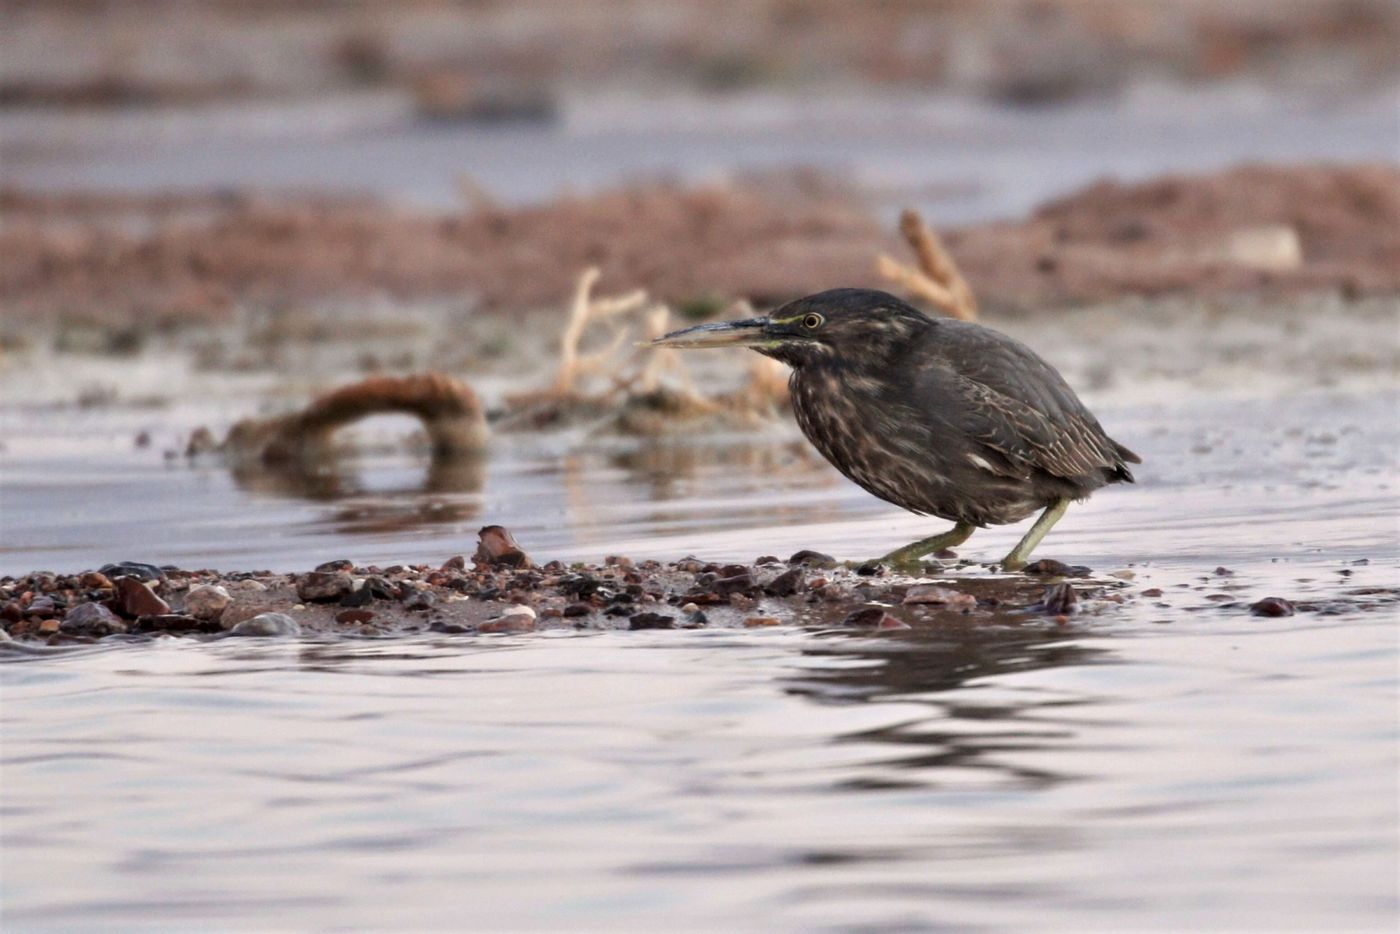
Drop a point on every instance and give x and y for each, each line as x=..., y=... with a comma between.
x=909, y=555
x=1017, y=559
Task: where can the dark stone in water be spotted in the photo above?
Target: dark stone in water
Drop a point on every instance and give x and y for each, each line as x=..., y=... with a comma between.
x=786, y=584
x=874, y=617
x=1049, y=567
x=453, y=629
x=339, y=564
x=1060, y=600
x=91, y=619
x=813, y=559
x=144, y=572
x=176, y=622
x=577, y=609
x=651, y=621
x=870, y=569
x=1272, y=606
x=354, y=616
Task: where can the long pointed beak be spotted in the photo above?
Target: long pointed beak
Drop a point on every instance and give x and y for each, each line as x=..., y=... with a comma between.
x=730, y=334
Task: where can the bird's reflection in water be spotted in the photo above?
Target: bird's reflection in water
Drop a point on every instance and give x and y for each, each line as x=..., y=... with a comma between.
x=943, y=668
x=448, y=490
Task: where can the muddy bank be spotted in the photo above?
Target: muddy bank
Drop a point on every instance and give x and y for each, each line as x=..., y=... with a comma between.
x=494, y=61
x=122, y=261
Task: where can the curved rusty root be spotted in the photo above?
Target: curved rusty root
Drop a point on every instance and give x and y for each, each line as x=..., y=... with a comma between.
x=448, y=409
x=935, y=277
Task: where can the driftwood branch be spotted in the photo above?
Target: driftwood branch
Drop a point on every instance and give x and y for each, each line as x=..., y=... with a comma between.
x=935, y=278
x=448, y=409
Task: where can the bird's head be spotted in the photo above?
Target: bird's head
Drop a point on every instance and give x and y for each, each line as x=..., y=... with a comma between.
x=854, y=327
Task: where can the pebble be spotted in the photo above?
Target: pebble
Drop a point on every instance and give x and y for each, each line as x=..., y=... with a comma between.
x=1272, y=606
x=48, y=627
x=932, y=593
x=420, y=600
x=238, y=613
x=786, y=584
x=811, y=558
x=94, y=580
x=176, y=622
x=138, y=599
x=267, y=624
x=207, y=601
x=41, y=606
x=322, y=586
x=737, y=583
x=515, y=622
x=91, y=619
x=651, y=621
x=690, y=608
x=874, y=617
x=754, y=622
x=497, y=548
x=1060, y=600
x=136, y=569
x=249, y=585
x=339, y=564
x=354, y=616
x=1049, y=567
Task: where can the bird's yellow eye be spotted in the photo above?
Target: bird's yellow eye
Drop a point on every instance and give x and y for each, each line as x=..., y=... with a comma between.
x=812, y=322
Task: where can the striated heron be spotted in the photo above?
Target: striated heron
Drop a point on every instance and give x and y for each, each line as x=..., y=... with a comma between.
x=942, y=417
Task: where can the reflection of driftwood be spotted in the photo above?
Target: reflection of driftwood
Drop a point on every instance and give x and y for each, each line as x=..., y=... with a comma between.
x=936, y=279
x=448, y=409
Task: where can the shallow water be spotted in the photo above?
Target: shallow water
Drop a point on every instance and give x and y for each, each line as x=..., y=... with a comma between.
x=1176, y=763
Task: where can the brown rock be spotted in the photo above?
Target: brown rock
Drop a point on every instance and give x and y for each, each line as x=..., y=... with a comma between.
x=874, y=617
x=354, y=616
x=755, y=622
x=323, y=586
x=1060, y=600
x=785, y=584
x=91, y=619
x=138, y=599
x=517, y=622
x=497, y=548
x=932, y=593
x=94, y=580
x=48, y=627
x=1272, y=606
